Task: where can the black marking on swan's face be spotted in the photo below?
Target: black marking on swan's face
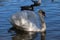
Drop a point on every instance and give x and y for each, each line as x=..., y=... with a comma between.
x=43, y=13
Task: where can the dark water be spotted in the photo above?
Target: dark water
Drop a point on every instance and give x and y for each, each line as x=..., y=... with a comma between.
x=9, y=7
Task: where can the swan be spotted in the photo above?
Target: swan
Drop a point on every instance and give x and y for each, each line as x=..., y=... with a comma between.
x=31, y=7
x=27, y=21
x=36, y=2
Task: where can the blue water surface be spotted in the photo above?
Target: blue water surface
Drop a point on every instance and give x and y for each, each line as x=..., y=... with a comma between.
x=52, y=19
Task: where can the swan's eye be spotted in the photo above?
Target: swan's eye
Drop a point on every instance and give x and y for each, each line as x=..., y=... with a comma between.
x=43, y=13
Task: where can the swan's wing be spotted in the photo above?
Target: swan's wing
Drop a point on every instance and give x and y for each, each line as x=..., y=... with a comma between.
x=26, y=20
x=31, y=21
x=15, y=19
x=19, y=19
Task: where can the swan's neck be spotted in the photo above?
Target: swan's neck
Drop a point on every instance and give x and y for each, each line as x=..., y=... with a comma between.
x=43, y=29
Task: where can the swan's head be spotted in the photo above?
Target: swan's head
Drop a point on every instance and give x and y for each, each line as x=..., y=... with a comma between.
x=41, y=13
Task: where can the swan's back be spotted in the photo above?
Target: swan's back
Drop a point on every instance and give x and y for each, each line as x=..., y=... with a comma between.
x=25, y=19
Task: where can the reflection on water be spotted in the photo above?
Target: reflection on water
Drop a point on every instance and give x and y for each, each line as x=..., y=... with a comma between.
x=22, y=35
x=43, y=36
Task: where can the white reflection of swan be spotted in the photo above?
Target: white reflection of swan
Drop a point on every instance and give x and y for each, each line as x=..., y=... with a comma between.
x=28, y=21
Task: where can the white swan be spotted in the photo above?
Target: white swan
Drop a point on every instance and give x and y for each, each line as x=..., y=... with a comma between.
x=27, y=21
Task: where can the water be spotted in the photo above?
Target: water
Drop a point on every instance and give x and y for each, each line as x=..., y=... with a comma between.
x=9, y=7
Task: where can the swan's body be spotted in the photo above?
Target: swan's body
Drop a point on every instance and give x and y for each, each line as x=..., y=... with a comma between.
x=27, y=21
